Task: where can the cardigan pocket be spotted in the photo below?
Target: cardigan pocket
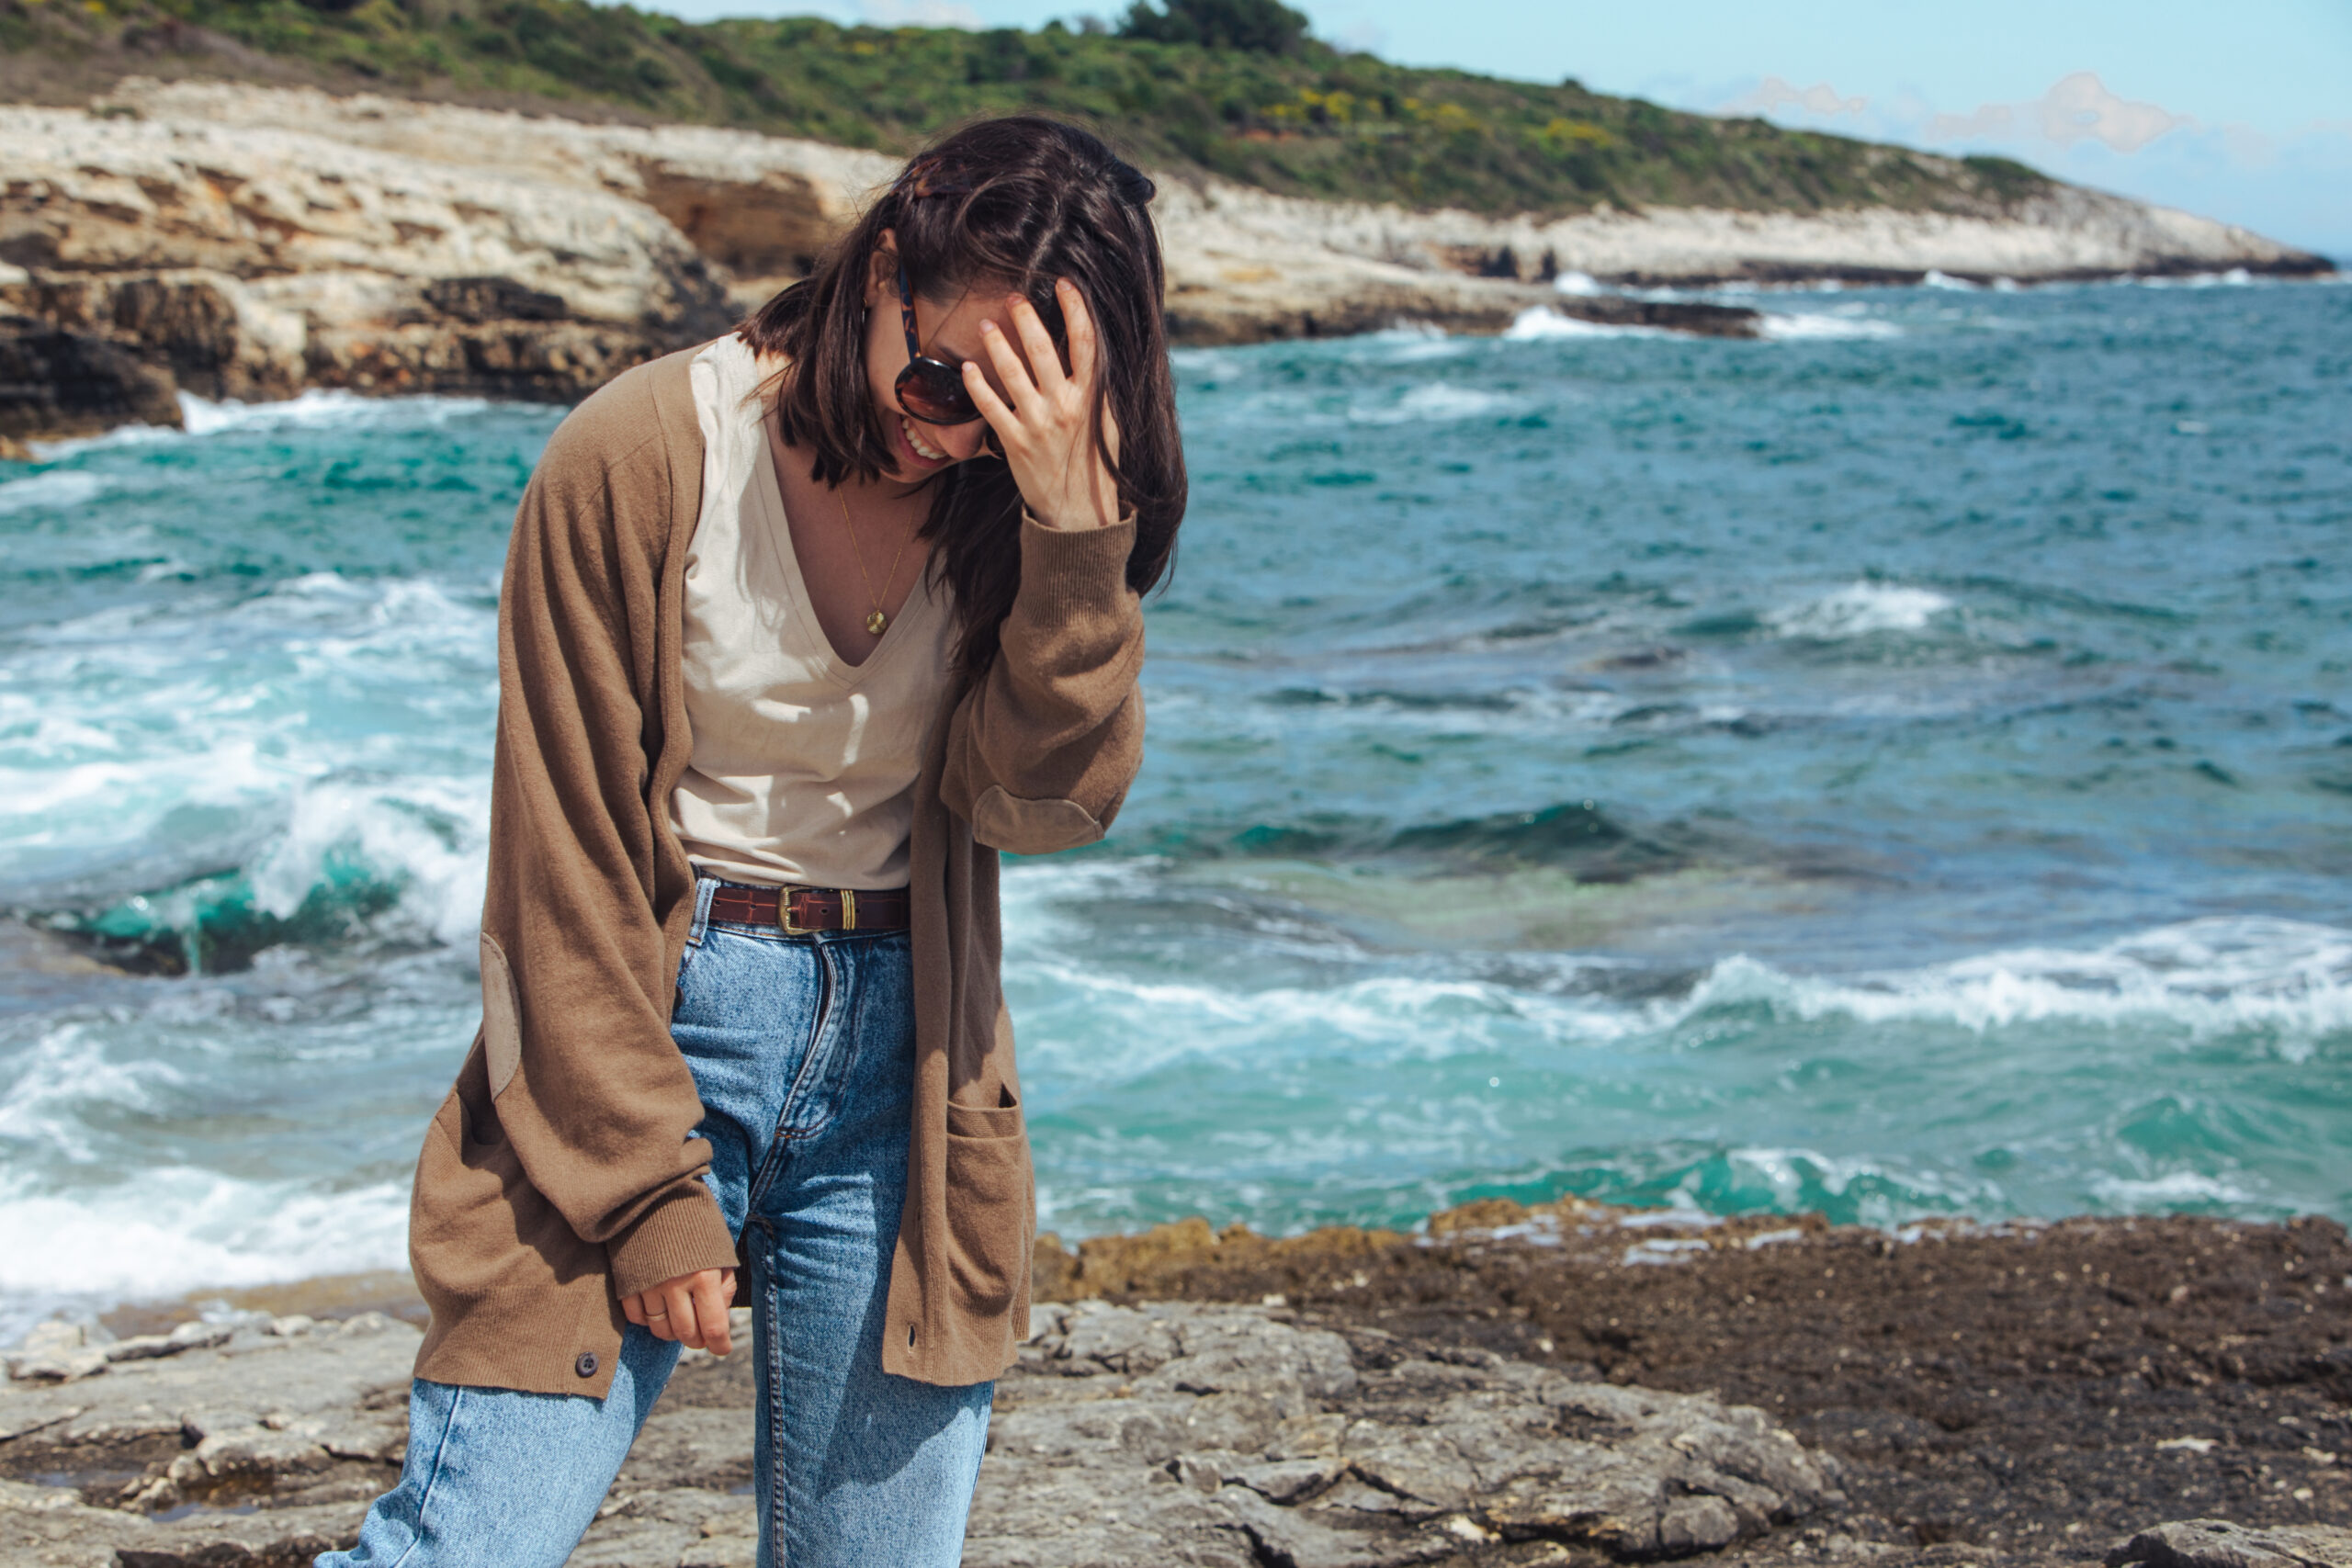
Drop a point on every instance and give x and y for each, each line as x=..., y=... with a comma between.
x=989, y=1218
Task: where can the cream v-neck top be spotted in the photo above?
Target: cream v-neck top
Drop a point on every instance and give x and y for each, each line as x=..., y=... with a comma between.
x=804, y=767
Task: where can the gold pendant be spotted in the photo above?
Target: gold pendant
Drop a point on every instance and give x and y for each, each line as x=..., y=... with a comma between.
x=875, y=622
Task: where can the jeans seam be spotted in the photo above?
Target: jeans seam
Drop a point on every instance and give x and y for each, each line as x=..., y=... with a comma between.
x=778, y=1469
x=781, y=1137
x=425, y=1498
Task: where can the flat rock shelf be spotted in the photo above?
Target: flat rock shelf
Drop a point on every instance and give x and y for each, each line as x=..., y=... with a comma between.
x=1221, y=1437
x=1560, y=1384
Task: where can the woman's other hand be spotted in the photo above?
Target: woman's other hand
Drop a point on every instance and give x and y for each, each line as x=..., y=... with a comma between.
x=690, y=1309
x=1043, y=431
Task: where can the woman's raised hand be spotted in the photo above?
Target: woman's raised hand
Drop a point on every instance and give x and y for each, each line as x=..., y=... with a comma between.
x=1043, y=431
x=691, y=1309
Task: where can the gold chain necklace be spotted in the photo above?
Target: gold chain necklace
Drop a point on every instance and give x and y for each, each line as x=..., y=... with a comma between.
x=878, y=620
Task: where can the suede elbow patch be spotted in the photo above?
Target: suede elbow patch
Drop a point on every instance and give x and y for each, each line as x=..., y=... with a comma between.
x=1021, y=827
x=501, y=1017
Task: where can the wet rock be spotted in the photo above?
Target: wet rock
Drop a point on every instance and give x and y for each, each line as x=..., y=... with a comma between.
x=209, y=333
x=2216, y=1543
x=55, y=383
x=265, y=1448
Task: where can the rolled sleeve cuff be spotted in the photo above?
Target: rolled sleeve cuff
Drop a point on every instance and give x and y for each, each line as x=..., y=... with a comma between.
x=681, y=1233
x=1066, y=570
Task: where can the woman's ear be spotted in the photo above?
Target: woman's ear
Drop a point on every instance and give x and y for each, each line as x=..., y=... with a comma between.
x=882, y=270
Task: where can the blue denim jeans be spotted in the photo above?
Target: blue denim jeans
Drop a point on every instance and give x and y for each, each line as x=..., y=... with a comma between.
x=803, y=1050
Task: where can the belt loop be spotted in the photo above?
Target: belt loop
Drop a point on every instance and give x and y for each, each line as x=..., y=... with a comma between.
x=849, y=908
x=705, y=887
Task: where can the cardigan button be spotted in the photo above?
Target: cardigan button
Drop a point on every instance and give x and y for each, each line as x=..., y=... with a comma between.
x=586, y=1365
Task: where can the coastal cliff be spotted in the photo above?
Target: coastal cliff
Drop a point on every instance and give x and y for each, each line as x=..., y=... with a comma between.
x=233, y=240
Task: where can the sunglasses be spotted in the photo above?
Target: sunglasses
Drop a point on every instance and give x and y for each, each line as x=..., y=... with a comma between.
x=929, y=389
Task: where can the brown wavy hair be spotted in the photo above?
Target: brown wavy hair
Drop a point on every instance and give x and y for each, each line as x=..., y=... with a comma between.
x=1013, y=202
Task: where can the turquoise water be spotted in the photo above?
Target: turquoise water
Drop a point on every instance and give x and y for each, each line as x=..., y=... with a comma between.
x=1900, y=767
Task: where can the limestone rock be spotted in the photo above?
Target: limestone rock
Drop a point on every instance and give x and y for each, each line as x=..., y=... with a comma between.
x=1201, y=1436
x=249, y=242
x=2216, y=1543
x=184, y=1336
x=1256, y=1439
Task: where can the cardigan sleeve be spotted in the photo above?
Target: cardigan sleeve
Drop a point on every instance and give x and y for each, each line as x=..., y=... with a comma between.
x=1041, y=750
x=585, y=1079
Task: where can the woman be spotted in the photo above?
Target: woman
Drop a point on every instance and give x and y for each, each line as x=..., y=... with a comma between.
x=797, y=631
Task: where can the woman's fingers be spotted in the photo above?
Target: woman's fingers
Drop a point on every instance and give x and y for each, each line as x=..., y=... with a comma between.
x=691, y=1309
x=1045, y=359
x=711, y=1294
x=678, y=1312
x=1003, y=420
x=1012, y=371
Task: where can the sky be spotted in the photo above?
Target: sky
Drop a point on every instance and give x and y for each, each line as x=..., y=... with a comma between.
x=2241, y=112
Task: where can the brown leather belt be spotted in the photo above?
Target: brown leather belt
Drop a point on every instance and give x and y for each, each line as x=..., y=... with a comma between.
x=801, y=909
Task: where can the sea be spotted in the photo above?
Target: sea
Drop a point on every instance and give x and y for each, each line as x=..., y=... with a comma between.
x=1900, y=767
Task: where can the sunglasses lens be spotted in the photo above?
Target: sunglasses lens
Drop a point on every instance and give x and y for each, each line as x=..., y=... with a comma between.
x=931, y=392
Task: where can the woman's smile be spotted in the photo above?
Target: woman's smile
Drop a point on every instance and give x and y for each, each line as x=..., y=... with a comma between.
x=921, y=454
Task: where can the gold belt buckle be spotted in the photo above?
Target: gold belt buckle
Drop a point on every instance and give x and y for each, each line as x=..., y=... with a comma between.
x=784, y=914
x=849, y=908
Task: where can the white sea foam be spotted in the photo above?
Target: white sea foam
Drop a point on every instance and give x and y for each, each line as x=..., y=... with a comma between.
x=429, y=837
x=322, y=409
x=2209, y=976
x=1876, y=1193
x=1935, y=279
x=67, y=1072
x=55, y=488
x=2219, y=976
x=2175, y=1190
x=1582, y=284
x=1435, y=402
x=1818, y=326
x=2235, y=277
x=1070, y=1007
x=207, y=703
x=171, y=1230
x=1540, y=324
x=317, y=409
x=1860, y=609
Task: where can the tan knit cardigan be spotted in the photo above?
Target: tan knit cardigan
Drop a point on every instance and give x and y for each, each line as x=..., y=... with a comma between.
x=560, y=1174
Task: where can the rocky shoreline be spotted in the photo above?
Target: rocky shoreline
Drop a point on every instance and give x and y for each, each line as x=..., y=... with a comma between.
x=237, y=241
x=1562, y=1384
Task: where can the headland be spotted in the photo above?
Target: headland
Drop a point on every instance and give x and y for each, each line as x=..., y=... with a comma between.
x=232, y=239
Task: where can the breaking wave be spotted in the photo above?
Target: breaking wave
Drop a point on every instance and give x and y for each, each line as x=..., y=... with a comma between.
x=1860, y=609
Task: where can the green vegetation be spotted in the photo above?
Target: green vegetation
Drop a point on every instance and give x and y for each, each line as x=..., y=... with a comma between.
x=1266, y=27
x=1259, y=102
